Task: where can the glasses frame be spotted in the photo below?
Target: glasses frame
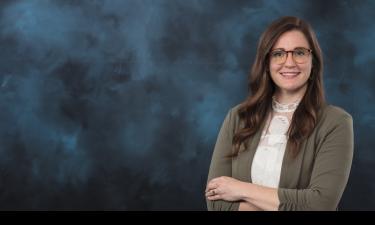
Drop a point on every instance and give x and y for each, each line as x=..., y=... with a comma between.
x=287, y=54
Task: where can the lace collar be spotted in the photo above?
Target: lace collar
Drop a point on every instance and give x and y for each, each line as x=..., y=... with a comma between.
x=279, y=107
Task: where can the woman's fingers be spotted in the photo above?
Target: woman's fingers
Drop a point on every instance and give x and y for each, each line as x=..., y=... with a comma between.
x=214, y=197
x=211, y=192
x=212, y=185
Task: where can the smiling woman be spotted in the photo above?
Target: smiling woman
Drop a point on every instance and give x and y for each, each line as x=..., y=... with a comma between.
x=284, y=147
x=290, y=74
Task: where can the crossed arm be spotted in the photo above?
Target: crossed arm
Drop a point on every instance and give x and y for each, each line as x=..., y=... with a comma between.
x=252, y=197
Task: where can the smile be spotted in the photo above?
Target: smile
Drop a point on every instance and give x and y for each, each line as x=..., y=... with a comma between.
x=289, y=75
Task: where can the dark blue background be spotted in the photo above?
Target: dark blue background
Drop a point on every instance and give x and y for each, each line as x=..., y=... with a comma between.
x=117, y=104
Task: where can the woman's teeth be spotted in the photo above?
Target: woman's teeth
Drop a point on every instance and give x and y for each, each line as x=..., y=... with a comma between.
x=290, y=75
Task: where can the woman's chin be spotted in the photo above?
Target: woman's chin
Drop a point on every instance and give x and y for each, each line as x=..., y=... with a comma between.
x=292, y=87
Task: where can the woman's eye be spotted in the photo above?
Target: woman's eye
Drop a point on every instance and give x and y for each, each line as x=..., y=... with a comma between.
x=300, y=53
x=277, y=54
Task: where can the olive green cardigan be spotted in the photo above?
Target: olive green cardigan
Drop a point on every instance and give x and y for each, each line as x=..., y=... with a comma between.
x=314, y=180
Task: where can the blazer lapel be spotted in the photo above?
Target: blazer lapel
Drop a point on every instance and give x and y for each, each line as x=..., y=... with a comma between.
x=245, y=156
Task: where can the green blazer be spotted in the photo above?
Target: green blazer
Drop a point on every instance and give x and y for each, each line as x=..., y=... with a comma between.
x=314, y=180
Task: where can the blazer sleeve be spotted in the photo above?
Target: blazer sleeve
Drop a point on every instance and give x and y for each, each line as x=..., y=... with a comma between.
x=221, y=164
x=330, y=172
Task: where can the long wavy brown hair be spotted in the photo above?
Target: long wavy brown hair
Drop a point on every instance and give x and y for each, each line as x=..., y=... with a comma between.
x=254, y=110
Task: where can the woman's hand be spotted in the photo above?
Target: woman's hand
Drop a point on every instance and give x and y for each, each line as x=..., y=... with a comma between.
x=225, y=188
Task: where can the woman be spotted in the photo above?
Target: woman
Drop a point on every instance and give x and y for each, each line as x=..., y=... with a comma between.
x=283, y=148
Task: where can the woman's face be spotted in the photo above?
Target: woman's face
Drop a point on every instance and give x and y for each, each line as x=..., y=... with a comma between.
x=291, y=71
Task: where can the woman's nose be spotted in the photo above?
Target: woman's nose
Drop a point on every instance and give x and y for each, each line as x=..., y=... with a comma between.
x=289, y=60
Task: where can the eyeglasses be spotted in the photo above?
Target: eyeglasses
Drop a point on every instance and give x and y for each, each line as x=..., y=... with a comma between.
x=300, y=55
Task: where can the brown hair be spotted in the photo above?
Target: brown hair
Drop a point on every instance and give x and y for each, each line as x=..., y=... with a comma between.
x=255, y=108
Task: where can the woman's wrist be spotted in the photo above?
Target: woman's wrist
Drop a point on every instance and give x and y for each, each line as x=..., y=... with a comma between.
x=247, y=192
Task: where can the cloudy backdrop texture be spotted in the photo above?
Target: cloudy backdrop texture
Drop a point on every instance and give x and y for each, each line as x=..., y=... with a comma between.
x=116, y=105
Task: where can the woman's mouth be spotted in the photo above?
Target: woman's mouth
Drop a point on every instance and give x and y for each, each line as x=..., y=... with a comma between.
x=289, y=75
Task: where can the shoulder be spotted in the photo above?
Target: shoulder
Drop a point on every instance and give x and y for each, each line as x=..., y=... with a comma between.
x=233, y=113
x=232, y=118
x=234, y=109
x=333, y=116
x=334, y=113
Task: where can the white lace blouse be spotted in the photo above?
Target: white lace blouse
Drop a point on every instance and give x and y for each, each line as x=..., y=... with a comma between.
x=266, y=166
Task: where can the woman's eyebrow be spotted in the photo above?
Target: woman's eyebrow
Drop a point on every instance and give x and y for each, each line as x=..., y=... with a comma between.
x=293, y=49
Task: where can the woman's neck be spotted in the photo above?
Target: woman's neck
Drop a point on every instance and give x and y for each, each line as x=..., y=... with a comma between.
x=285, y=97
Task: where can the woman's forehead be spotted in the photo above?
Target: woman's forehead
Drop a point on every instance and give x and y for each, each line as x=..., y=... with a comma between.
x=291, y=40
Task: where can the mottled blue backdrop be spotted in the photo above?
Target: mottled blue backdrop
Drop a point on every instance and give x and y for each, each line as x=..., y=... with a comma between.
x=117, y=104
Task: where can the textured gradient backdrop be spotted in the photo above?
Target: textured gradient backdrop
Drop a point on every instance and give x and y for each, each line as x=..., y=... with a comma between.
x=117, y=104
